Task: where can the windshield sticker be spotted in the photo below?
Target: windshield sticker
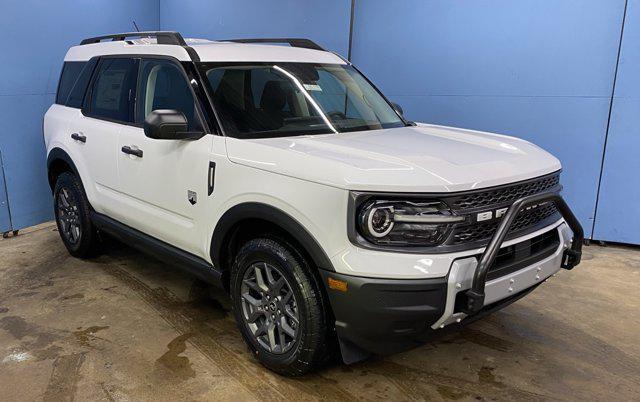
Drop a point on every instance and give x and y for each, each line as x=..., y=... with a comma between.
x=312, y=87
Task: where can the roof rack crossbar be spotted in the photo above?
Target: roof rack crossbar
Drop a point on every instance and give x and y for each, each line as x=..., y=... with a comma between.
x=294, y=42
x=163, y=37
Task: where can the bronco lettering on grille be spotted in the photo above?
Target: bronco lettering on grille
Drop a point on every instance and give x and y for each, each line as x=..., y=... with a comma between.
x=499, y=213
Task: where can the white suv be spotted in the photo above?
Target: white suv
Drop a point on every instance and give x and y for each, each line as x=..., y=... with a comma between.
x=282, y=175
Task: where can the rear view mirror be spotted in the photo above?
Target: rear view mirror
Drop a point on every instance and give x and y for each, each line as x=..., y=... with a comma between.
x=168, y=124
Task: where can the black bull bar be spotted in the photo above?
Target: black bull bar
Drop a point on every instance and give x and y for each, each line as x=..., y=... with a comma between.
x=570, y=258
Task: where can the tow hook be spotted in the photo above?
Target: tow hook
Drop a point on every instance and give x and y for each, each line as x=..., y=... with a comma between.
x=570, y=259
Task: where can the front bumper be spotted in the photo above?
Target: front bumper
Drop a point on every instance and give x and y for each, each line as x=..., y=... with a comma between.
x=460, y=280
x=386, y=316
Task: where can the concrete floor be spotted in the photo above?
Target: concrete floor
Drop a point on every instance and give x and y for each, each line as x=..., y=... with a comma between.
x=127, y=327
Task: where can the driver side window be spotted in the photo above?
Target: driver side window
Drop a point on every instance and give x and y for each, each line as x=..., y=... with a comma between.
x=162, y=85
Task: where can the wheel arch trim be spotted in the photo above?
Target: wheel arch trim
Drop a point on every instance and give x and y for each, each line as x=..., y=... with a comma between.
x=273, y=215
x=60, y=154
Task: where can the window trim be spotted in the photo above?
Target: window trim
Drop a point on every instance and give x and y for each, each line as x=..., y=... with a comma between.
x=210, y=115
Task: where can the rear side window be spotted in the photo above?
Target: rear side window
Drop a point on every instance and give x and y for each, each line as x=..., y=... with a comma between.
x=70, y=73
x=113, y=91
x=80, y=87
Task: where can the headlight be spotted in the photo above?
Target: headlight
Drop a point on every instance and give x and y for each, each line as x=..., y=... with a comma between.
x=406, y=223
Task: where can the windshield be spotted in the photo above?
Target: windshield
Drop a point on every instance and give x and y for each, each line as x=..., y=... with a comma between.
x=259, y=100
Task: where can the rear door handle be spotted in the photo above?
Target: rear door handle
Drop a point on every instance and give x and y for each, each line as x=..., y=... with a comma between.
x=79, y=137
x=130, y=151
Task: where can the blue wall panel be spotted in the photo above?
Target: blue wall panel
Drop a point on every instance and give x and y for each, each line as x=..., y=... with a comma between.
x=618, y=215
x=540, y=70
x=326, y=22
x=36, y=36
x=24, y=159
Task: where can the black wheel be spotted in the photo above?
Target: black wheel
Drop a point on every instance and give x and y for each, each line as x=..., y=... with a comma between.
x=72, y=216
x=279, y=307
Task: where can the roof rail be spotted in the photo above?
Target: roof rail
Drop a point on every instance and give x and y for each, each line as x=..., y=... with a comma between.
x=294, y=42
x=163, y=37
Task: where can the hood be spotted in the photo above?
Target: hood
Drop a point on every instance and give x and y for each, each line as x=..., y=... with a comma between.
x=425, y=158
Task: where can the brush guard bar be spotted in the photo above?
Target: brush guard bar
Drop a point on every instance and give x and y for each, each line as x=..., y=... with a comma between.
x=570, y=258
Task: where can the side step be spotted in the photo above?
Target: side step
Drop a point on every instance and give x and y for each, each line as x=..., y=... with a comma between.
x=159, y=249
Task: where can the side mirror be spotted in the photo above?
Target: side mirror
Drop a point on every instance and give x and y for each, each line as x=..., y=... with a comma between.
x=166, y=124
x=397, y=108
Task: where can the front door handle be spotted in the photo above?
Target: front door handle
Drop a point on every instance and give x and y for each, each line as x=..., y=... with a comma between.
x=79, y=137
x=130, y=151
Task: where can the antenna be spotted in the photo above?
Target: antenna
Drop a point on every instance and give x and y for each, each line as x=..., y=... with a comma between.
x=135, y=26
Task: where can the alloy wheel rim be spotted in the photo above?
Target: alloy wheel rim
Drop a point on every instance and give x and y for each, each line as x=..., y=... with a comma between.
x=68, y=216
x=269, y=308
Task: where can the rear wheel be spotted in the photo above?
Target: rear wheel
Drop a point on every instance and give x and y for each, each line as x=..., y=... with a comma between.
x=279, y=307
x=71, y=209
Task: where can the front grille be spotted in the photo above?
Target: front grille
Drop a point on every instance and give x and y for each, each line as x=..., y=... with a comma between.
x=526, y=218
x=473, y=233
x=505, y=194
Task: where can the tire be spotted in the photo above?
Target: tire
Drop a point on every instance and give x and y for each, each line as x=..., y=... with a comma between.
x=259, y=312
x=71, y=209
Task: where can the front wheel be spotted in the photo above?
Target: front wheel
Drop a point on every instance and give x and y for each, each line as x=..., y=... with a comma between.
x=279, y=307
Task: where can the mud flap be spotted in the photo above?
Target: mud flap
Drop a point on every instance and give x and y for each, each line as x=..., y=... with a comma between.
x=352, y=353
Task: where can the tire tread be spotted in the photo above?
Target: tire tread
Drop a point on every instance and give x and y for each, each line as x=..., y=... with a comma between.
x=312, y=350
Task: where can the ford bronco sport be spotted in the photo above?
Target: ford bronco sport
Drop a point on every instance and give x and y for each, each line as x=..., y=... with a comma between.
x=282, y=175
